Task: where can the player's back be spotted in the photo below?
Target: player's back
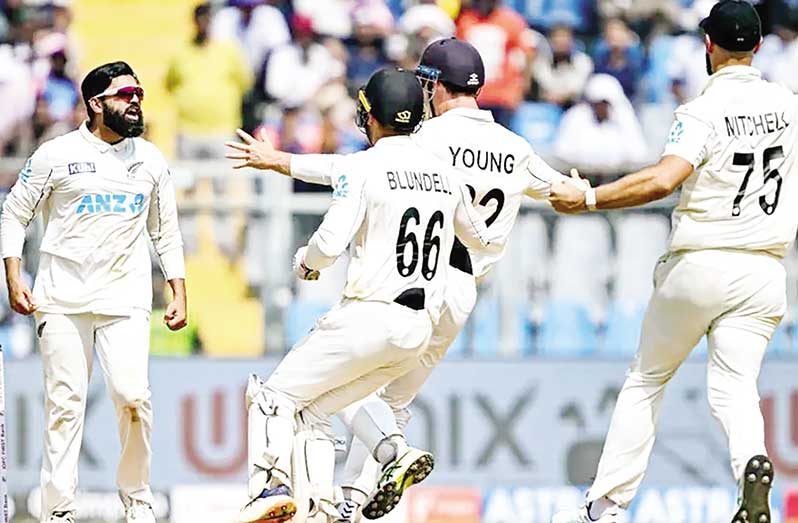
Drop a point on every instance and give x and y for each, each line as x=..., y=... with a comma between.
x=409, y=199
x=492, y=162
x=740, y=135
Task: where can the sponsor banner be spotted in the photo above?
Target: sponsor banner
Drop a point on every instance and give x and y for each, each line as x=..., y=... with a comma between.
x=220, y=503
x=489, y=424
x=444, y=505
x=96, y=506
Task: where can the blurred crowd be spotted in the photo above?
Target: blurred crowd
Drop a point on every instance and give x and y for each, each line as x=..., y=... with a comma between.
x=583, y=67
x=590, y=83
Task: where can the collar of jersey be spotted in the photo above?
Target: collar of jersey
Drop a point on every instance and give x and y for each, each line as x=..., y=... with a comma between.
x=99, y=144
x=734, y=72
x=391, y=140
x=467, y=112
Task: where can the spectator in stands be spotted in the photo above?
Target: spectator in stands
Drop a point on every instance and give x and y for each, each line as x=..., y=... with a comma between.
x=619, y=54
x=257, y=26
x=330, y=18
x=296, y=71
x=59, y=91
x=778, y=56
x=427, y=20
x=17, y=101
x=208, y=79
x=372, y=24
x=419, y=25
x=687, y=68
x=642, y=15
x=506, y=44
x=602, y=134
x=560, y=72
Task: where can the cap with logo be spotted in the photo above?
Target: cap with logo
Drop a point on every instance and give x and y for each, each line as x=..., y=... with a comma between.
x=455, y=62
x=734, y=25
x=394, y=97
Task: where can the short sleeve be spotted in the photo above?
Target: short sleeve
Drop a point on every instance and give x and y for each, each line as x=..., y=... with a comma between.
x=689, y=138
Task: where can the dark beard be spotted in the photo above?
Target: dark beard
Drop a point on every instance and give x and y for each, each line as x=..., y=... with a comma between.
x=116, y=121
x=709, y=64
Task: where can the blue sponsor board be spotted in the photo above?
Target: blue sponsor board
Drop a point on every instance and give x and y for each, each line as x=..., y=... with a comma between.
x=692, y=504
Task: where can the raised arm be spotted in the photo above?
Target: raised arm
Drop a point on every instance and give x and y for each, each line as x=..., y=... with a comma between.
x=32, y=188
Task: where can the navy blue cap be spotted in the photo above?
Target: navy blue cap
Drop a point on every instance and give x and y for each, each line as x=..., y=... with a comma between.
x=734, y=25
x=458, y=63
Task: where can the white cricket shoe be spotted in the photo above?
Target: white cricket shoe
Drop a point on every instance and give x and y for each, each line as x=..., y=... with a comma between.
x=397, y=476
x=139, y=512
x=61, y=517
x=349, y=511
x=581, y=516
x=275, y=505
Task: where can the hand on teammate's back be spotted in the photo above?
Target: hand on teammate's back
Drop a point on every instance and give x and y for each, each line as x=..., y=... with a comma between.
x=20, y=297
x=568, y=196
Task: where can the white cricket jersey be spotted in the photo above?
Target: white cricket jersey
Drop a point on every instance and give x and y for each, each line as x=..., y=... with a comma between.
x=498, y=166
x=100, y=203
x=740, y=136
x=398, y=207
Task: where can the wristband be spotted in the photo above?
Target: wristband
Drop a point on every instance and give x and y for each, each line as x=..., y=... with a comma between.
x=590, y=199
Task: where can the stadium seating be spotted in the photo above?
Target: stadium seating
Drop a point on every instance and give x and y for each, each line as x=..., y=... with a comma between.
x=567, y=330
x=622, y=336
x=485, y=332
x=578, y=294
x=538, y=123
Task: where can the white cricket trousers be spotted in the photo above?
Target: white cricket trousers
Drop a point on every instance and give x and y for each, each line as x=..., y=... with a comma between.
x=461, y=297
x=353, y=350
x=68, y=343
x=737, y=299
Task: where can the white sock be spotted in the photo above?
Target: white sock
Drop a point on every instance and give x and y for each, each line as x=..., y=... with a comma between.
x=600, y=507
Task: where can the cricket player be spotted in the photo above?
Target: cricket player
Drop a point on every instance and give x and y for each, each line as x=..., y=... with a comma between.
x=499, y=168
x=102, y=191
x=399, y=206
x=733, y=152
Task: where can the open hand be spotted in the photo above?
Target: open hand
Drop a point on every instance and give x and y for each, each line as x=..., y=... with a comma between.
x=253, y=152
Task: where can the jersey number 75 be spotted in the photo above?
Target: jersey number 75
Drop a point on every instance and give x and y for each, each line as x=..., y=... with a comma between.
x=748, y=159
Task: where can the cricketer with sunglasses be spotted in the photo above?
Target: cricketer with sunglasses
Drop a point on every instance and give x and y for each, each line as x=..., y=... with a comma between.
x=498, y=168
x=102, y=191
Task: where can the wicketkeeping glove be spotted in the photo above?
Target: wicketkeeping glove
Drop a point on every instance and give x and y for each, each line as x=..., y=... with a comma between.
x=300, y=269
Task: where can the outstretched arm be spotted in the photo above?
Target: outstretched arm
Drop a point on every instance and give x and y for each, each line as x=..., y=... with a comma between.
x=649, y=184
x=259, y=153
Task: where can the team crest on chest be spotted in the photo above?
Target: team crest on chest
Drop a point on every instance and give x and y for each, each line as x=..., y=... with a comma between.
x=132, y=168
